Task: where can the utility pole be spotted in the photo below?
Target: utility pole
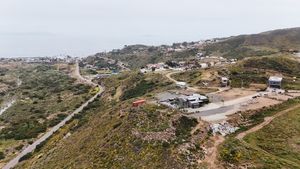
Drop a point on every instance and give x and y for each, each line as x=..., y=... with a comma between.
x=242, y=83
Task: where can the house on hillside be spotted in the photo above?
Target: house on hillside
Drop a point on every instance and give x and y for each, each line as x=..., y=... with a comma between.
x=192, y=101
x=275, y=82
x=224, y=81
x=203, y=65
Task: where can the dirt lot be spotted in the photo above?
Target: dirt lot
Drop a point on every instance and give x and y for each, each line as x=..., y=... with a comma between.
x=259, y=103
x=294, y=93
x=279, y=97
x=235, y=93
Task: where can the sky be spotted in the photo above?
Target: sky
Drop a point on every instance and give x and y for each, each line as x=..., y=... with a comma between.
x=85, y=27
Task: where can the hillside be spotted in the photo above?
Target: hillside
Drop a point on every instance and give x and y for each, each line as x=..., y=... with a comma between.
x=136, y=56
x=262, y=44
x=40, y=100
x=276, y=145
x=256, y=70
x=110, y=133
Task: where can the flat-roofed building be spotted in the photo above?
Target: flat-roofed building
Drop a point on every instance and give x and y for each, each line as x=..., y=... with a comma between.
x=275, y=82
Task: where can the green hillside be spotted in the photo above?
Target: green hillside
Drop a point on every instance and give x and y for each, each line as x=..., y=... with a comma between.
x=44, y=98
x=137, y=56
x=113, y=134
x=274, y=146
x=258, y=70
x=262, y=44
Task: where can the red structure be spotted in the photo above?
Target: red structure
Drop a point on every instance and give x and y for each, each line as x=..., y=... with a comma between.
x=138, y=103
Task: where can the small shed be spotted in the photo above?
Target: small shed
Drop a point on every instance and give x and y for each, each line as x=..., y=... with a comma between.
x=181, y=84
x=275, y=82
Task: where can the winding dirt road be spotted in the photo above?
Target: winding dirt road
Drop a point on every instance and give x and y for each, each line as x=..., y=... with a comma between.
x=12, y=163
x=267, y=121
x=175, y=81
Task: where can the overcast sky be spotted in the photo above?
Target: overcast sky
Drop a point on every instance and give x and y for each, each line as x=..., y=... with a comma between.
x=83, y=27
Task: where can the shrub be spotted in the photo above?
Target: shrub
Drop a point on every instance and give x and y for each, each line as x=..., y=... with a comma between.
x=184, y=126
x=25, y=157
x=231, y=151
x=23, y=130
x=2, y=155
x=139, y=90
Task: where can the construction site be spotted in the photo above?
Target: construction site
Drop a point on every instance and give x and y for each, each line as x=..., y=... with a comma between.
x=218, y=101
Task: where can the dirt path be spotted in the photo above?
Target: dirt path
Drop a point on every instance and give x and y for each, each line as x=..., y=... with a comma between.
x=168, y=75
x=77, y=75
x=211, y=157
x=267, y=121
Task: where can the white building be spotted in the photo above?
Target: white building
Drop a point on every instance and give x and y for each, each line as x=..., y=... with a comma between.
x=192, y=101
x=275, y=82
x=181, y=84
x=224, y=81
x=204, y=65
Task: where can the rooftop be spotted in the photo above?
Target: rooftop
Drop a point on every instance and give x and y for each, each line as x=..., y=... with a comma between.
x=224, y=78
x=275, y=78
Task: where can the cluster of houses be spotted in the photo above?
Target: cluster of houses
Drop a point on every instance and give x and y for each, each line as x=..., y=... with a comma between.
x=191, y=101
x=178, y=47
x=274, y=82
x=214, y=60
x=105, y=64
x=154, y=67
x=46, y=60
x=180, y=101
x=201, y=62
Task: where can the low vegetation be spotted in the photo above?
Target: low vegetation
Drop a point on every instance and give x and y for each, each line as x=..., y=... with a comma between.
x=274, y=146
x=192, y=77
x=258, y=69
x=44, y=98
x=138, y=56
x=134, y=85
x=263, y=44
x=112, y=134
x=184, y=126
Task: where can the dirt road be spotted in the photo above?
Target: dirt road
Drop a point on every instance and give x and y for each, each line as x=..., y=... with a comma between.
x=267, y=121
x=211, y=157
x=168, y=75
x=81, y=79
